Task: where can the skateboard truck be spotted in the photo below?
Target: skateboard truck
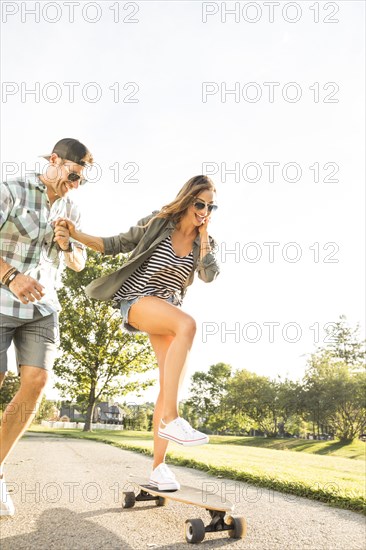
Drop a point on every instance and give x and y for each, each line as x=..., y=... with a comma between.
x=194, y=529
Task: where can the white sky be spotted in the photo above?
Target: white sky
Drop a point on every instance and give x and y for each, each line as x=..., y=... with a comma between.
x=170, y=133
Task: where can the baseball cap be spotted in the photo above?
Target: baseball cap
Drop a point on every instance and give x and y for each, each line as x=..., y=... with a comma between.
x=71, y=149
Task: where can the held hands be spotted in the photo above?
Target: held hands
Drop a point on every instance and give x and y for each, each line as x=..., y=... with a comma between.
x=63, y=229
x=68, y=224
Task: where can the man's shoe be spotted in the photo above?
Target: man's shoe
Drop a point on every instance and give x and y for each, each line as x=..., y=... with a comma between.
x=163, y=479
x=6, y=504
x=180, y=431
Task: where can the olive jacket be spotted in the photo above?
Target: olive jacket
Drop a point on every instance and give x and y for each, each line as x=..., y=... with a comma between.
x=142, y=241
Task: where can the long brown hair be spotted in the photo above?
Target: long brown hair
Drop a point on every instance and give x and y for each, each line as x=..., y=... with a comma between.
x=176, y=209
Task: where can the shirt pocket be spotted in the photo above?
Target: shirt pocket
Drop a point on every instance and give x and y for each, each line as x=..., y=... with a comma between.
x=27, y=222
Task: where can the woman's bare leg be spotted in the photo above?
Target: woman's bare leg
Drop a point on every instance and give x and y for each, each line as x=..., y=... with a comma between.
x=160, y=346
x=158, y=317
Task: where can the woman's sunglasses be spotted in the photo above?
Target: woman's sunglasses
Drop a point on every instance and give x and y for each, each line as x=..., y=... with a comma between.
x=200, y=205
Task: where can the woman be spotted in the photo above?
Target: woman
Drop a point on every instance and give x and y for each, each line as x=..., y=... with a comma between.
x=167, y=248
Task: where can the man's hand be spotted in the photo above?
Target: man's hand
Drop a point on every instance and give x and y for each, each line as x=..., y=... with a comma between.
x=96, y=243
x=62, y=234
x=26, y=289
x=68, y=224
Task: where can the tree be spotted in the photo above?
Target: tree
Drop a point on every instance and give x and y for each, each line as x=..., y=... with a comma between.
x=336, y=396
x=207, y=395
x=344, y=344
x=47, y=410
x=188, y=411
x=254, y=397
x=9, y=388
x=98, y=356
x=335, y=383
x=141, y=421
x=289, y=406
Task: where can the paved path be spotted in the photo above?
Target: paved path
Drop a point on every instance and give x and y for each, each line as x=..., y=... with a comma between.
x=67, y=495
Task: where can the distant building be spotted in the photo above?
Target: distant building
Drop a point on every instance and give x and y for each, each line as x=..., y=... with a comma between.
x=108, y=414
x=104, y=412
x=73, y=414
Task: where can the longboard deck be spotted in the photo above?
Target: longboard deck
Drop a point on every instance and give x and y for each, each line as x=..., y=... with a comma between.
x=187, y=495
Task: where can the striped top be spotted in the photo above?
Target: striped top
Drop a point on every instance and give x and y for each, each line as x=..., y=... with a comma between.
x=163, y=274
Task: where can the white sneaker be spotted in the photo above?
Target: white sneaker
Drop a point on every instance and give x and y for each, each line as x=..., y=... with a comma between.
x=180, y=431
x=6, y=504
x=163, y=479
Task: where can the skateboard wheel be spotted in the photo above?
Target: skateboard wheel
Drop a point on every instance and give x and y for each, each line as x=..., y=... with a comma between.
x=161, y=501
x=194, y=530
x=239, y=527
x=129, y=499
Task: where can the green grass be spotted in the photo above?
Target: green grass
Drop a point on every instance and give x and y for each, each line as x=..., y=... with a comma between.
x=321, y=470
x=355, y=449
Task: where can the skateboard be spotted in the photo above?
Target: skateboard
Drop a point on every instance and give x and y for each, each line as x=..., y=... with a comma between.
x=194, y=529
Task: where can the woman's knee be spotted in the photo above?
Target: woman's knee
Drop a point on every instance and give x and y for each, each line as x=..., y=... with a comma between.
x=187, y=326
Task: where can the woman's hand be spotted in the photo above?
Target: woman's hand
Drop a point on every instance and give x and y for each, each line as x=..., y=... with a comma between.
x=202, y=229
x=64, y=222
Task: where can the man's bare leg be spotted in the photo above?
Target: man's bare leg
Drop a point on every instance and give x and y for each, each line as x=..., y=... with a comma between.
x=21, y=410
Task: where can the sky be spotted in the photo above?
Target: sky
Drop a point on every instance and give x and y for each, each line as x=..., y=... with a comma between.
x=264, y=97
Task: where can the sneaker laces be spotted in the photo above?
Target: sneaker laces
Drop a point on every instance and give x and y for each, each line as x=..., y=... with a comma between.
x=186, y=427
x=166, y=471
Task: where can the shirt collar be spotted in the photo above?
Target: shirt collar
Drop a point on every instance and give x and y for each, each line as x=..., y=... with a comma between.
x=171, y=225
x=33, y=180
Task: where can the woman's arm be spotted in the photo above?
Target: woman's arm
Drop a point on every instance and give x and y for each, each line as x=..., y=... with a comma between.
x=208, y=267
x=123, y=242
x=126, y=242
x=96, y=243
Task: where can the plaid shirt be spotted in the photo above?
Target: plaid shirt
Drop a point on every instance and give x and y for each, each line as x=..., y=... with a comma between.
x=27, y=241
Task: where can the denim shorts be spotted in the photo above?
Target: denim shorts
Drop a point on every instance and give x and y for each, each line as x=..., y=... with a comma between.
x=125, y=306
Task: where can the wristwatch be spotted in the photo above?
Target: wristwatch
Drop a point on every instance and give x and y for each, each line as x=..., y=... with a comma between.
x=70, y=247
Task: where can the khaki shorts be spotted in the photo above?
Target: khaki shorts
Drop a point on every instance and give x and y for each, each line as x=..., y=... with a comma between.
x=35, y=340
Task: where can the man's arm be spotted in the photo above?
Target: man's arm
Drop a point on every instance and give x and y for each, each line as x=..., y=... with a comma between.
x=25, y=288
x=74, y=259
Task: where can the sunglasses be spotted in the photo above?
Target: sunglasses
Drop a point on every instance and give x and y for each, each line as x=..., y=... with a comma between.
x=73, y=176
x=200, y=205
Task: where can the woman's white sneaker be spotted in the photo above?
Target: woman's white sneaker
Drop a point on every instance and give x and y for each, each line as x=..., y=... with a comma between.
x=163, y=479
x=6, y=504
x=180, y=431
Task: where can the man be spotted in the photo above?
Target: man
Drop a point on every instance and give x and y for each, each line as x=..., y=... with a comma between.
x=32, y=249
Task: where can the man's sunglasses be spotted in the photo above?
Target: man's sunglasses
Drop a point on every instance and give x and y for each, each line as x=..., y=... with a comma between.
x=200, y=205
x=73, y=176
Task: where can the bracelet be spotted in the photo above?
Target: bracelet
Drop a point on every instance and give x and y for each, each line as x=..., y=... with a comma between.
x=6, y=273
x=5, y=277
x=11, y=278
